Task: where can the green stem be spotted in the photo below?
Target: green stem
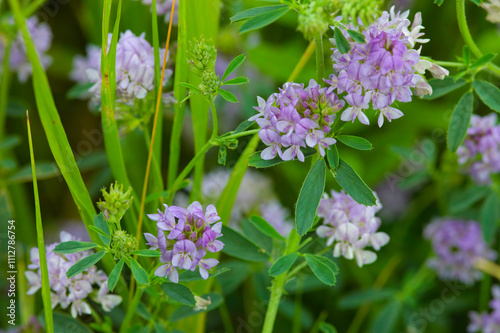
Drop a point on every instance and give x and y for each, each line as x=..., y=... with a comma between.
x=450, y=64
x=215, y=125
x=4, y=88
x=464, y=30
x=320, y=59
x=47, y=304
x=303, y=264
x=33, y=7
x=292, y=245
x=131, y=309
x=238, y=135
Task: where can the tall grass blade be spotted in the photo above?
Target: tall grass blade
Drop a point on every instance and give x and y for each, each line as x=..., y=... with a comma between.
x=47, y=304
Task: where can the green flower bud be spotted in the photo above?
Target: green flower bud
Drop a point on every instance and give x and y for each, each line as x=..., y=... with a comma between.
x=202, y=56
x=115, y=203
x=316, y=16
x=366, y=10
x=122, y=244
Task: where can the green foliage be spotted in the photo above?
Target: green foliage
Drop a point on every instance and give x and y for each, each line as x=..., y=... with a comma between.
x=179, y=292
x=355, y=142
x=257, y=19
x=236, y=245
x=324, y=269
x=233, y=65
x=459, y=122
x=387, y=317
x=84, y=263
x=489, y=217
x=488, y=93
x=353, y=184
x=309, y=197
x=358, y=298
x=73, y=247
x=186, y=311
x=283, y=264
x=139, y=273
x=228, y=96
x=102, y=225
x=114, y=276
x=265, y=227
x=444, y=86
x=341, y=42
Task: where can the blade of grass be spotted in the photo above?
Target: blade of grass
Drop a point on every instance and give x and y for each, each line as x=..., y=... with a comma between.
x=47, y=304
x=58, y=141
x=108, y=93
x=202, y=18
x=4, y=87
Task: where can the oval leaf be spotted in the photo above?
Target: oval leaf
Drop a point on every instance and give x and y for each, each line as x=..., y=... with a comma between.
x=84, y=264
x=488, y=93
x=236, y=81
x=263, y=19
x=236, y=245
x=309, y=197
x=283, y=264
x=147, y=253
x=444, y=86
x=102, y=225
x=353, y=184
x=139, y=273
x=114, y=276
x=355, y=142
x=357, y=36
x=179, y=292
x=459, y=122
x=341, y=42
x=265, y=227
x=252, y=12
x=233, y=65
x=321, y=268
x=489, y=217
x=483, y=60
x=228, y=96
x=73, y=247
x=332, y=155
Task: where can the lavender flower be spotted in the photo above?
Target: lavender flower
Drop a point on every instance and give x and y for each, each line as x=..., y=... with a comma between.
x=384, y=69
x=297, y=117
x=457, y=245
x=42, y=38
x=480, y=151
x=70, y=291
x=164, y=7
x=351, y=226
x=487, y=322
x=184, y=237
x=134, y=68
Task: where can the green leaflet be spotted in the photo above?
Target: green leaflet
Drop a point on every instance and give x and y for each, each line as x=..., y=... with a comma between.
x=459, y=122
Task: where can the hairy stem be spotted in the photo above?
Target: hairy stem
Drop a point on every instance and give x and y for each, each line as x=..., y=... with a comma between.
x=320, y=59
x=464, y=30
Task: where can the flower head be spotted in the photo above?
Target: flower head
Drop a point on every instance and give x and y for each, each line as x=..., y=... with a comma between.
x=184, y=237
x=70, y=291
x=480, y=151
x=457, y=244
x=351, y=227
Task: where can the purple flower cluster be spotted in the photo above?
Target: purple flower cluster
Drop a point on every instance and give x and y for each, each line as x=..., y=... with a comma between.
x=42, y=38
x=457, y=245
x=480, y=152
x=184, y=237
x=134, y=68
x=383, y=70
x=351, y=226
x=70, y=291
x=487, y=322
x=297, y=117
x=164, y=7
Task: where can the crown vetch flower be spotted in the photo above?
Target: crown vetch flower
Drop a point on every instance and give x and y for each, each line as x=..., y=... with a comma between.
x=457, y=245
x=351, y=227
x=297, y=117
x=42, y=38
x=480, y=151
x=134, y=68
x=184, y=237
x=70, y=291
x=487, y=322
x=383, y=70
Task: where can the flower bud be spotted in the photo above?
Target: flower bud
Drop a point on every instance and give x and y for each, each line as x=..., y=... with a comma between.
x=122, y=244
x=116, y=202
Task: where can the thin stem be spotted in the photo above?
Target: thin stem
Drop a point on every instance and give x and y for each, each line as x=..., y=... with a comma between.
x=464, y=30
x=215, y=128
x=33, y=7
x=303, y=61
x=4, y=88
x=320, y=59
x=450, y=64
x=274, y=302
x=47, y=304
x=240, y=134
